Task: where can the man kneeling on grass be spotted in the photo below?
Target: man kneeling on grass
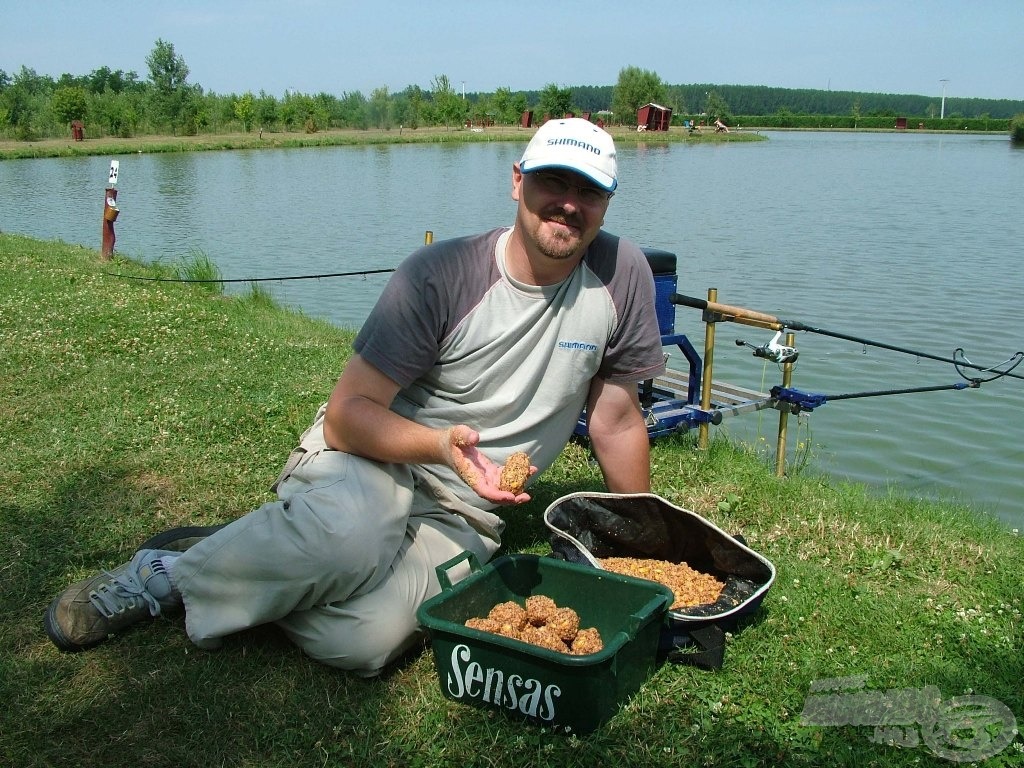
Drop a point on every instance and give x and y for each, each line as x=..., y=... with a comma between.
x=478, y=348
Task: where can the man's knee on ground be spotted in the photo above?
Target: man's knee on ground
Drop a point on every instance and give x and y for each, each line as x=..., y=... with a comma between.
x=367, y=651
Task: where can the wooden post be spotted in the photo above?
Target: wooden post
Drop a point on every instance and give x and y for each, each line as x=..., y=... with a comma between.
x=110, y=211
x=709, y=357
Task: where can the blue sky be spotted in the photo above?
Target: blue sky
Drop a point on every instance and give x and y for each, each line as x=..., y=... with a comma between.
x=230, y=46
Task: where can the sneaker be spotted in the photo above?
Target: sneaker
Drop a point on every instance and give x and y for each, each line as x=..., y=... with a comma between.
x=89, y=612
x=180, y=539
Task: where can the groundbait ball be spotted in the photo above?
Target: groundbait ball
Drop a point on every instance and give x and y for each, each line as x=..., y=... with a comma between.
x=515, y=473
x=541, y=623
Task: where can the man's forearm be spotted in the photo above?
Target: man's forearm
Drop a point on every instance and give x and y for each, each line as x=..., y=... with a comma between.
x=367, y=429
x=625, y=459
x=359, y=420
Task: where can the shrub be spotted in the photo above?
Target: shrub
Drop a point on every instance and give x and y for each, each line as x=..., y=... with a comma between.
x=1017, y=129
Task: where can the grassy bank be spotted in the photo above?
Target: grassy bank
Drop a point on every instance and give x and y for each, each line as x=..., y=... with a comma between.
x=10, y=150
x=129, y=407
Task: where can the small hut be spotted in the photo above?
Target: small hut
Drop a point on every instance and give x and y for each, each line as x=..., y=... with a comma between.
x=653, y=117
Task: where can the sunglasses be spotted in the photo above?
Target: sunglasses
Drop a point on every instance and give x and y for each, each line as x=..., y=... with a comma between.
x=558, y=185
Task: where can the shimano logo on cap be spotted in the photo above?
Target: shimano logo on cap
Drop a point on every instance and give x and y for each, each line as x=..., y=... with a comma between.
x=574, y=143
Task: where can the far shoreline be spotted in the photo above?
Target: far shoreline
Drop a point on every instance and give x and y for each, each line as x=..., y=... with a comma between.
x=67, y=147
x=160, y=143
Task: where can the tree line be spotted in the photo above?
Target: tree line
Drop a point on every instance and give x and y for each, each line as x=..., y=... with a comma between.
x=121, y=104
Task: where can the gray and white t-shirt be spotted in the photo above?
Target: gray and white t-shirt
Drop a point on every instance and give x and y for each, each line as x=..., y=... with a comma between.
x=470, y=345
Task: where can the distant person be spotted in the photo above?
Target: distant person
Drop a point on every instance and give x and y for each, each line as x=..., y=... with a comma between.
x=720, y=127
x=479, y=347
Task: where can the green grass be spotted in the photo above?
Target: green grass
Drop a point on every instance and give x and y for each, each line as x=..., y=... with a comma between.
x=128, y=407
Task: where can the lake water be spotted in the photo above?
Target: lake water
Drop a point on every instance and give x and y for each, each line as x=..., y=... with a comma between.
x=908, y=239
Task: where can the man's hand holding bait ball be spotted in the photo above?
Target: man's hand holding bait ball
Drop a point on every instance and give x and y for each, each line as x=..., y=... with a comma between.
x=501, y=484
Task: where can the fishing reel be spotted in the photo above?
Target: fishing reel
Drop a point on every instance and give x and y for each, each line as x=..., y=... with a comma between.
x=773, y=350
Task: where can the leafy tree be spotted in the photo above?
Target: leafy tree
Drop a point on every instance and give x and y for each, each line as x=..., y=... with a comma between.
x=448, y=107
x=329, y=110
x=16, y=111
x=675, y=99
x=245, y=110
x=168, y=75
x=409, y=106
x=194, y=114
x=1017, y=129
x=22, y=103
x=118, y=81
x=312, y=113
x=592, y=98
x=518, y=106
x=289, y=110
x=118, y=114
x=352, y=110
x=69, y=103
x=635, y=88
x=98, y=80
x=68, y=80
x=500, y=102
x=554, y=101
x=300, y=109
x=266, y=110
x=717, y=108
x=378, y=109
x=33, y=84
x=221, y=110
x=508, y=106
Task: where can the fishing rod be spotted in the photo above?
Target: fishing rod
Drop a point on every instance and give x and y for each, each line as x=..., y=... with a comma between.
x=250, y=279
x=727, y=312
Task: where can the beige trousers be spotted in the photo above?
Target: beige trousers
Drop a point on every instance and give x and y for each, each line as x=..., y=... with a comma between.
x=341, y=561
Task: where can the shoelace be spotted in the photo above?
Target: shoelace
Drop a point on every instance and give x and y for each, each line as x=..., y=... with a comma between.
x=121, y=592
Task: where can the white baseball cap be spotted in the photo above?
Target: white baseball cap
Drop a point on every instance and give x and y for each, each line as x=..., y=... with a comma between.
x=576, y=145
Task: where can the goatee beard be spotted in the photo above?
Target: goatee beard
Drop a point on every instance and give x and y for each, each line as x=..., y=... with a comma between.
x=560, y=245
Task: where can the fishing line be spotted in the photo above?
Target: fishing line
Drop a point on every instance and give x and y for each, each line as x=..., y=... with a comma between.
x=958, y=362
x=250, y=279
x=744, y=316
